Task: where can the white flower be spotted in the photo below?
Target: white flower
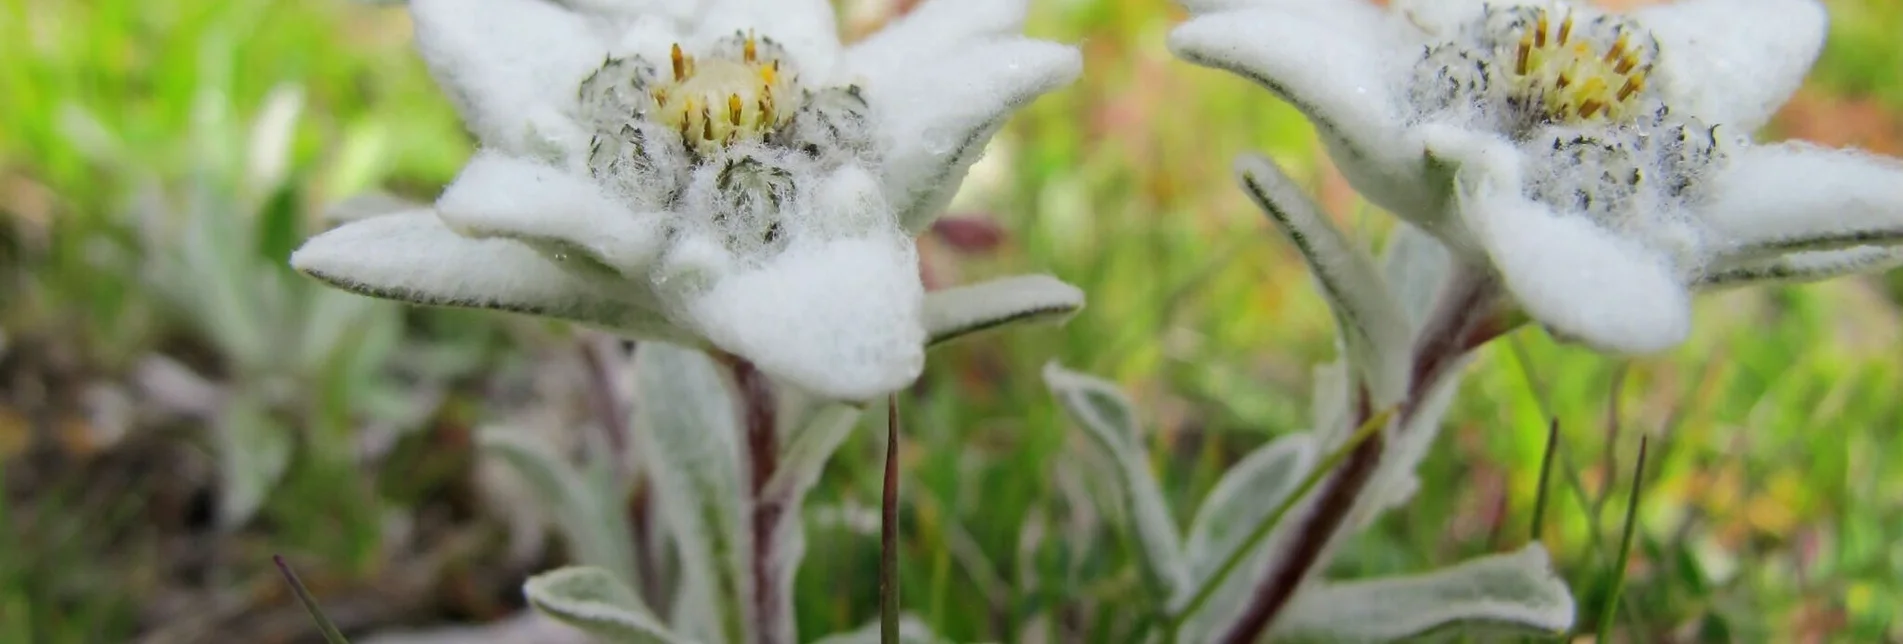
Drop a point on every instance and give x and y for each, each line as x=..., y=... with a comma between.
x=1600, y=163
x=718, y=172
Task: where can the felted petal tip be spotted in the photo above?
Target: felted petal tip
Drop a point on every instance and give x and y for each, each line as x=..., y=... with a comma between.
x=840, y=318
x=1794, y=197
x=505, y=63
x=958, y=312
x=1734, y=62
x=1808, y=266
x=1338, y=68
x=414, y=258
x=502, y=196
x=937, y=118
x=1580, y=280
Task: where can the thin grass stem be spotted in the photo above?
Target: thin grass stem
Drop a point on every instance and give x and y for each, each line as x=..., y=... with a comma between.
x=1611, y=609
x=331, y=634
x=1546, y=475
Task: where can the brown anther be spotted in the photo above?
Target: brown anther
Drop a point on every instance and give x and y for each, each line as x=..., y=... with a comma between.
x=1618, y=48
x=751, y=50
x=733, y=108
x=1526, y=54
x=1563, y=81
x=706, y=123
x=680, y=63
x=1539, y=36
x=1632, y=86
x=1565, y=29
x=1589, y=108
x=1626, y=64
x=766, y=109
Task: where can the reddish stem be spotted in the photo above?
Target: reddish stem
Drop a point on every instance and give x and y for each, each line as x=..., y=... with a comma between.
x=762, y=447
x=1465, y=320
x=889, y=530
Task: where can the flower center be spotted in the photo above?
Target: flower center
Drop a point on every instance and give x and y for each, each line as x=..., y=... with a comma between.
x=716, y=102
x=1578, y=73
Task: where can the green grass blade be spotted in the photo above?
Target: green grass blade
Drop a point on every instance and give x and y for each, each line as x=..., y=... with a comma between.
x=1611, y=608
x=1546, y=474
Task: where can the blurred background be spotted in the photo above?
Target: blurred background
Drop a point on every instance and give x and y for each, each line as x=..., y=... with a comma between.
x=176, y=406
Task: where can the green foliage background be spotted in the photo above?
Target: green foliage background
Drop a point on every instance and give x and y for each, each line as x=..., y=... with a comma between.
x=1771, y=513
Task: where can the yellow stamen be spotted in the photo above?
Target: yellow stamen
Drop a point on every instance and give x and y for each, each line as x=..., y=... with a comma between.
x=1576, y=79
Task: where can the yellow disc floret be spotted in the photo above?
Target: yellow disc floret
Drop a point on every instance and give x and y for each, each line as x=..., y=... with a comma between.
x=1575, y=78
x=720, y=100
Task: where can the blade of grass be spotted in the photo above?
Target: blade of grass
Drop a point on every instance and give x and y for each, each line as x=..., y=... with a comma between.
x=1315, y=476
x=331, y=634
x=1546, y=474
x=1611, y=608
x=889, y=530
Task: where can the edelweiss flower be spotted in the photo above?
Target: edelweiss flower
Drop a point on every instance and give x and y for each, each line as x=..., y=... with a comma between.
x=711, y=172
x=1600, y=163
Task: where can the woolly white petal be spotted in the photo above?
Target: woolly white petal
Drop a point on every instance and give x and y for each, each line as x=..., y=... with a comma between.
x=932, y=29
x=506, y=64
x=1796, y=197
x=673, y=9
x=838, y=318
x=806, y=28
x=1734, y=62
x=502, y=196
x=1337, y=67
x=1444, y=18
x=1212, y=6
x=649, y=36
x=958, y=312
x=1574, y=276
x=1809, y=266
x=413, y=257
x=938, y=117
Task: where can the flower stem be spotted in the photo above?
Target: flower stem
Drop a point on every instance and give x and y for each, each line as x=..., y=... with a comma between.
x=762, y=451
x=889, y=530
x=1365, y=434
x=1465, y=319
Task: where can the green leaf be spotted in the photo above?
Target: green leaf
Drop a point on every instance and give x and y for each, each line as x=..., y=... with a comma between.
x=587, y=507
x=254, y=450
x=1247, y=493
x=1373, y=324
x=1514, y=592
x=1108, y=419
x=685, y=416
x=958, y=312
x=1416, y=267
x=596, y=601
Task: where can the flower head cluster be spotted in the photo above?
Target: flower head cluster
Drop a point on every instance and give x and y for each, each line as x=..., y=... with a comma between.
x=1600, y=164
x=718, y=172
